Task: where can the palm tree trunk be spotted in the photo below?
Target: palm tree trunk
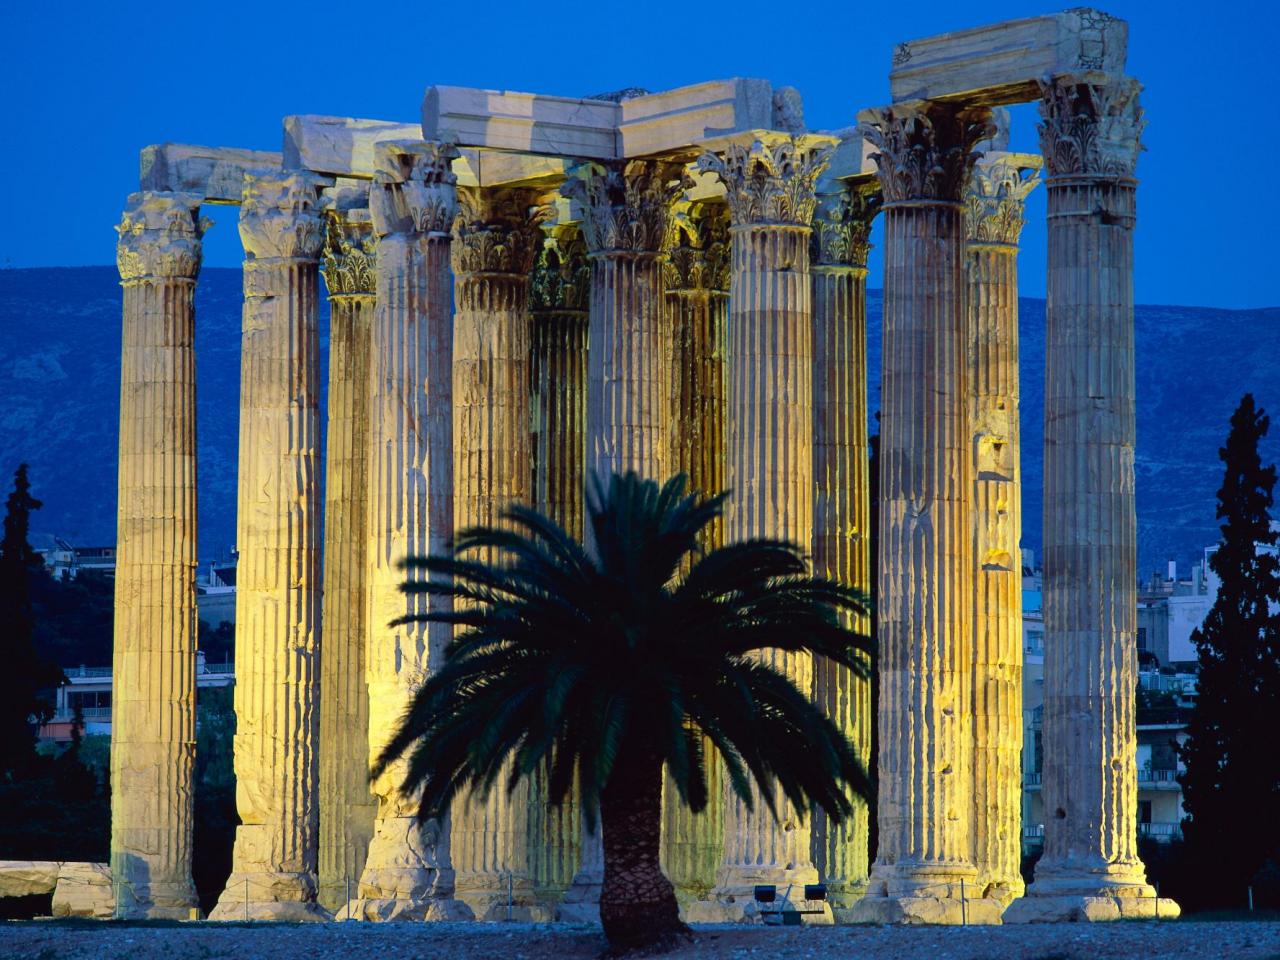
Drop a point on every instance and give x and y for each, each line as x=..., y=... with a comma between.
x=637, y=903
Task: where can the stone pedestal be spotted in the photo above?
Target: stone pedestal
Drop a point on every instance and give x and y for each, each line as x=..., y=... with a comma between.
x=1090, y=869
x=924, y=870
x=769, y=430
x=841, y=505
x=993, y=221
x=347, y=808
x=696, y=283
x=154, y=659
x=626, y=207
x=407, y=872
x=495, y=241
x=559, y=294
x=273, y=874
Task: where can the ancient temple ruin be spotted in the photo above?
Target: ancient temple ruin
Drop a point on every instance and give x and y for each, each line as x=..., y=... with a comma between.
x=527, y=289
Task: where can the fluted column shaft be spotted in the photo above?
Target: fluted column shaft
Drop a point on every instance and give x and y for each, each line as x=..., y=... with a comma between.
x=494, y=245
x=842, y=511
x=153, y=663
x=994, y=202
x=1089, y=137
x=347, y=808
x=410, y=513
x=769, y=432
x=696, y=281
x=278, y=574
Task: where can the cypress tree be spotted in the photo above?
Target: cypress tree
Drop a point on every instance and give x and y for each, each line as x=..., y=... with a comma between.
x=1230, y=788
x=25, y=678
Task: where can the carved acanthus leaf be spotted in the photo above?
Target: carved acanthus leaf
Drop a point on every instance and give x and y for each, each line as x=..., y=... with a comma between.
x=770, y=182
x=698, y=250
x=414, y=188
x=159, y=236
x=1090, y=128
x=280, y=217
x=996, y=198
x=350, y=255
x=496, y=230
x=562, y=275
x=925, y=152
x=842, y=226
x=625, y=204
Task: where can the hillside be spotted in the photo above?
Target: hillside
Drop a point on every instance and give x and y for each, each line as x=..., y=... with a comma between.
x=59, y=384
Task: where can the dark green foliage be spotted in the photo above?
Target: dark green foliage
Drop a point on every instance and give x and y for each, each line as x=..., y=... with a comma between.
x=218, y=644
x=608, y=664
x=215, y=794
x=1231, y=788
x=73, y=618
x=27, y=681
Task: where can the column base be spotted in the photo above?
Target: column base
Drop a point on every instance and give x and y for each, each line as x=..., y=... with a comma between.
x=489, y=898
x=270, y=896
x=386, y=909
x=1105, y=891
x=944, y=911
x=155, y=901
x=581, y=903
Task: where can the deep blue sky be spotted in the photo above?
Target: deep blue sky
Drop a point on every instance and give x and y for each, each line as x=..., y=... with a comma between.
x=88, y=84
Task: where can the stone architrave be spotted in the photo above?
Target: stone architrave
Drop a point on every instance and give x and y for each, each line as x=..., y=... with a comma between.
x=559, y=294
x=695, y=273
x=273, y=873
x=1090, y=132
x=924, y=868
x=347, y=808
x=626, y=207
x=994, y=202
x=495, y=241
x=769, y=187
x=842, y=491
x=413, y=201
x=154, y=660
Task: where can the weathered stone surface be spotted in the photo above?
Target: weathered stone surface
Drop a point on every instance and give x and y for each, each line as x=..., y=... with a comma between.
x=1003, y=62
x=948, y=911
x=926, y=580
x=273, y=872
x=25, y=878
x=675, y=120
x=213, y=174
x=413, y=202
x=529, y=122
x=154, y=659
x=994, y=203
x=347, y=808
x=84, y=890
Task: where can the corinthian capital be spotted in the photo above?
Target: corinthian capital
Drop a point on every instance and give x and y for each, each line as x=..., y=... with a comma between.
x=280, y=217
x=414, y=188
x=1090, y=127
x=997, y=194
x=842, y=226
x=496, y=230
x=159, y=236
x=698, y=249
x=772, y=180
x=925, y=151
x=350, y=254
x=562, y=275
x=625, y=204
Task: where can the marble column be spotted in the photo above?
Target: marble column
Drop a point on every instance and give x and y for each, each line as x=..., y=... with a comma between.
x=626, y=206
x=413, y=201
x=1090, y=136
x=695, y=272
x=154, y=659
x=924, y=868
x=841, y=504
x=347, y=808
x=769, y=187
x=558, y=300
x=495, y=241
x=994, y=203
x=273, y=872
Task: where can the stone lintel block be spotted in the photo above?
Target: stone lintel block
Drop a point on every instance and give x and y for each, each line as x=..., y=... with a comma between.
x=677, y=121
x=1001, y=63
x=523, y=122
x=24, y=878
x=850, y=161
x=944, y=911
x=339, y=146
x=217, y=174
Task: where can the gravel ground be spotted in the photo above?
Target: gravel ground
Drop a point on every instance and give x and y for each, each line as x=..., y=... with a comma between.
x=52, y=940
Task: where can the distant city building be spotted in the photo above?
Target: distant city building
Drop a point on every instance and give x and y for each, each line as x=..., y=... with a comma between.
x=216, y=593
x=65, y=561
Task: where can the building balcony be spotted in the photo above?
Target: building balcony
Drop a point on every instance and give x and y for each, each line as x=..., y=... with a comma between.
x=1148, y=777
x=1032, y=778
x=1160, y=831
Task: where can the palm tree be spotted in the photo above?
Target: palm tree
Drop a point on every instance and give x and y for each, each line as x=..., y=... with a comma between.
x=605, y=663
